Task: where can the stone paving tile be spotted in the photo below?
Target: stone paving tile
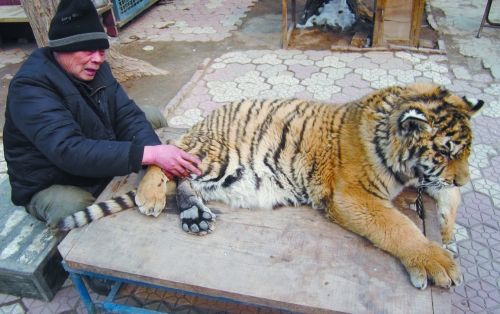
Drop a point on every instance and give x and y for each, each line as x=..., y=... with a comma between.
x=11, y=56
x=463, y=28
x=188, y=20
x=325, y=76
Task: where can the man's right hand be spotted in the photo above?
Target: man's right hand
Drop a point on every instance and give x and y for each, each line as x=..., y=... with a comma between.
x=172, y=160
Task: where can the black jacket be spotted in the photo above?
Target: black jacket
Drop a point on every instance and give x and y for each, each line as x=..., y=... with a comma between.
x=62, y=131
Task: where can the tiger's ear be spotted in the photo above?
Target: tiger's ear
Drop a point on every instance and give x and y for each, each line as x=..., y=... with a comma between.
x=474, y=104
x=412, y=122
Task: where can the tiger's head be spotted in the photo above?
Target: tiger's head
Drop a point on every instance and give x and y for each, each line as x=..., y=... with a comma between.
x=434, y=134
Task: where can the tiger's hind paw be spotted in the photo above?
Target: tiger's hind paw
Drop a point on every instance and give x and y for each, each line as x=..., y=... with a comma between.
x=197, y=219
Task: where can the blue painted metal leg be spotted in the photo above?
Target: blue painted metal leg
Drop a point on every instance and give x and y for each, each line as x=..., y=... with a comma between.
x=84, y=293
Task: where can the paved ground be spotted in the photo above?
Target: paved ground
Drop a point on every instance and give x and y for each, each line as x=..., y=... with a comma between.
x=222, y=50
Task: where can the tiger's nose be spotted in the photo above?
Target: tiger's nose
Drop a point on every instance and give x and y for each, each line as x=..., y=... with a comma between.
x=461, y=179
x=459, y=172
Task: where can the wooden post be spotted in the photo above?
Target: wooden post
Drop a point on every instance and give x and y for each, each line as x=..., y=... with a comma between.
x=378, y=23
x=284, y=24
x=39, y=13
x=416, y=22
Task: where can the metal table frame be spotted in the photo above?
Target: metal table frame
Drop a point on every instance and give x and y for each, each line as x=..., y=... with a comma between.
x=486, y=19
x=108, y=304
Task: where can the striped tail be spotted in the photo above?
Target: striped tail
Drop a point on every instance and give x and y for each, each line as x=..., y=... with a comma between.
x=96, y=211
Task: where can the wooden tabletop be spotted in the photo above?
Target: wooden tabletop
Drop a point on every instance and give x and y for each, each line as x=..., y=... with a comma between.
x=290, y=258
x=12, y=14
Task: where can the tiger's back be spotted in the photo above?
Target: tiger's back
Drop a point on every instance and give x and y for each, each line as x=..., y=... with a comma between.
x=264, y=153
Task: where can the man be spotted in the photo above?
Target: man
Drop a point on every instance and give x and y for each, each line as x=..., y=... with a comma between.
x=69, y=125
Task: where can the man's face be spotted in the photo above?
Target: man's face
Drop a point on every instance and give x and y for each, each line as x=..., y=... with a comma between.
x=82, y=65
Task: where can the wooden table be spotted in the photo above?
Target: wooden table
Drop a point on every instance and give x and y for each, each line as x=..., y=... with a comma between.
x=290, y=258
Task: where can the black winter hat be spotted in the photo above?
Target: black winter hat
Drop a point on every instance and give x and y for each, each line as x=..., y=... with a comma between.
x=76, y=26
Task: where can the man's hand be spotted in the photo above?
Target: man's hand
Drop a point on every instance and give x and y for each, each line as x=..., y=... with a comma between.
x=173, y=161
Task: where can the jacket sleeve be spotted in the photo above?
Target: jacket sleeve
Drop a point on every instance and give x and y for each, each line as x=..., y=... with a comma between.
x=131, y=124
x=39, y=113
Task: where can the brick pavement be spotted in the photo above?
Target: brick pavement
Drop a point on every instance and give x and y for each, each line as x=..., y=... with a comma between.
x=335, y=76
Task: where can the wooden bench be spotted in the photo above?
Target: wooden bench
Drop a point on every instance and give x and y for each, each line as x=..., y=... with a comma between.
x=30, y=265
x=290, y=258
x=16, y=14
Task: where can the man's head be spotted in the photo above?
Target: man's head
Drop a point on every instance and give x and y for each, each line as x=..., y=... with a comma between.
x=82, y=65
x=77, y=38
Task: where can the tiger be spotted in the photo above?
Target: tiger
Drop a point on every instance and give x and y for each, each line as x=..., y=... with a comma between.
x=348, y=160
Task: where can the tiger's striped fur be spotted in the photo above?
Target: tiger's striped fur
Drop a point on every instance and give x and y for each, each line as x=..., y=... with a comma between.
x=98, y=210
x=350, y=160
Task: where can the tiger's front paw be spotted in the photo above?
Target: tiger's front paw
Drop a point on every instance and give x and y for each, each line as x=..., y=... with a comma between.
x=196, y=218
x=151, y=194
x=434, y=264
x=448, y=201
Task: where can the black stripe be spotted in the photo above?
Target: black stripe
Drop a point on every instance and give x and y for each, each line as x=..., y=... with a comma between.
x=236, y=119
x=88, y=217
x=370, y=191
x=295, y=175
x=131, y=195
x=268, y=164
x=230, y=179
x=277, y=154
x=104, y=208
x=339, y=131
x=222, y=169
x=226, y=122
x=376, y=186
x=248, y=116
x=121, y=202
x=273, y=107
x=259, y=134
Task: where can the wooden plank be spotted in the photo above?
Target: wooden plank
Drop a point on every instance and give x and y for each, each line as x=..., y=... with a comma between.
x=12, y=14
x=416, y=21
x=397, y=20
x=290, y=258
x=378, y=23
x=16, y=14
x=284, y=24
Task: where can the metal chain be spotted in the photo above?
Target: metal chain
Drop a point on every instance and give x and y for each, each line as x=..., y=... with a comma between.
x=419, y=203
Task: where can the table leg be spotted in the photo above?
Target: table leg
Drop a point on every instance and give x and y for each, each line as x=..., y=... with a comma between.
x=486, y=19
x=84, y=293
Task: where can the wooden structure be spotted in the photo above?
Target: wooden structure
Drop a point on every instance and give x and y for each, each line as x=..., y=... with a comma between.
x=396, y=22
x=286, y=29
x=126, y=10
x=12, y=14
x=30, y=265
x=290, y=258
x=16, y=14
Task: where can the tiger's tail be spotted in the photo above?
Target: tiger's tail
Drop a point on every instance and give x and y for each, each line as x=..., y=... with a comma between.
x=96, y=211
